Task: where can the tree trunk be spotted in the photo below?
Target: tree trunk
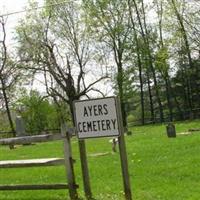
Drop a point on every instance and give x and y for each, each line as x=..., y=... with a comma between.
x=169, y=104
x=8, y=108
x=174, y=95
x=152, y=67
x=187, y=87
x=139, y=65
x=184, y=34
x=165, y=75
x=190, y=62
x=121, y=92
x=141, y=90
x=157, y=92
x=150, y=99
x=150, y=60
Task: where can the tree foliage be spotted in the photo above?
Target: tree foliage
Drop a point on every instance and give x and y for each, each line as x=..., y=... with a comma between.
x=147, y=51
x=39, y=113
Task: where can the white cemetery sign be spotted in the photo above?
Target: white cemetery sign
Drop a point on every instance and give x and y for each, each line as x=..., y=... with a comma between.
x=96, y=118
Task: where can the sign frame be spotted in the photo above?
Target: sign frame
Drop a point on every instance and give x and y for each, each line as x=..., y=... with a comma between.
x=117, y=109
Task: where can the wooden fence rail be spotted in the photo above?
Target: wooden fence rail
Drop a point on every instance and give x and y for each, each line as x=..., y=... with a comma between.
x=31, y=163
x=35, y=187
x=30, y=139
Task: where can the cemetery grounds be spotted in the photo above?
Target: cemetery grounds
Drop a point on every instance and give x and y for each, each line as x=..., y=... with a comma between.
x=160, y=168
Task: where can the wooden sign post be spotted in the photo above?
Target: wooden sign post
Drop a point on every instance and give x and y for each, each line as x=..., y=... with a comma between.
x=84, y=168
x=102, y=118
x=123, y=156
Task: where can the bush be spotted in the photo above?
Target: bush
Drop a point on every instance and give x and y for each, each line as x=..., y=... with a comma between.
x=38, y=113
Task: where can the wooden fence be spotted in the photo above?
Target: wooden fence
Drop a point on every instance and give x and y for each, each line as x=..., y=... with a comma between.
x=65, y=135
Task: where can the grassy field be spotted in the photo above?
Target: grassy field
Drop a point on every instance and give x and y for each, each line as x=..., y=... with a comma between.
x=160, y=168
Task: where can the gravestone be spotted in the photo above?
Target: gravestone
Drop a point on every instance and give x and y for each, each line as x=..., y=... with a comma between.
x=20, y=127
x=171, y=130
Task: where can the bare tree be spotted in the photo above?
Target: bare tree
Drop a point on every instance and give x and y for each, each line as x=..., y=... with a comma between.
x=55, y=42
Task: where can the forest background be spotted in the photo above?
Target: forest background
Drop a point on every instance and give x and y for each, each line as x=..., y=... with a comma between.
x=145, y=52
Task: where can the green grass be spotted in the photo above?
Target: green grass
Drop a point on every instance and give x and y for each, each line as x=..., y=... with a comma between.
x=160, y=168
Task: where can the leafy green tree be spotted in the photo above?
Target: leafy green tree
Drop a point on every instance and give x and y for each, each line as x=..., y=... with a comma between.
x=39, y=113
x=109, y=22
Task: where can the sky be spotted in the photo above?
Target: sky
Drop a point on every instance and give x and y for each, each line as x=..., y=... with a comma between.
x=13, y=6
x=7, y=7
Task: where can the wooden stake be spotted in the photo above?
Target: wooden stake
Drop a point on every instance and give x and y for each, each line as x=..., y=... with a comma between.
x=123, y=156
x=69, y=163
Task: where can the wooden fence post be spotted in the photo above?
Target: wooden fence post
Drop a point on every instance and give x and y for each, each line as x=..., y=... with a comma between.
x=69, y=163
x=123, y=156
